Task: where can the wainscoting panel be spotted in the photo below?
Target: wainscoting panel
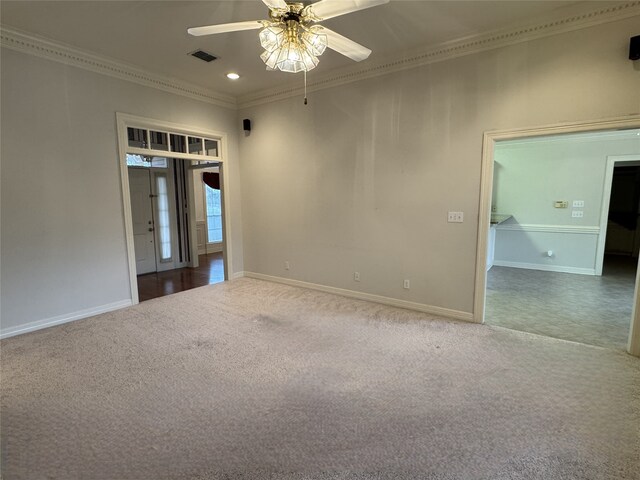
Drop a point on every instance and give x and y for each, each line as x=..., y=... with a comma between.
x=201, y=233
x=557, y=248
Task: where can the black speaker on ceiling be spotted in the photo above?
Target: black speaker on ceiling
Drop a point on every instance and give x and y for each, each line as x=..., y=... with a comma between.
x=634, y=48
x=246, y=125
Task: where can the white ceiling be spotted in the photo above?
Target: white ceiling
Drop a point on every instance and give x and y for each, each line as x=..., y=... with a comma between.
x=152, y=34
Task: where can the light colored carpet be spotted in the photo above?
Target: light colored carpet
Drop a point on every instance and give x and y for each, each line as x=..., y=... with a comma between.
x=250, y=379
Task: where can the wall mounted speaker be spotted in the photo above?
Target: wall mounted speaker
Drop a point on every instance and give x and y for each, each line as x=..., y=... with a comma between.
x=246, y=125
x=634, y=48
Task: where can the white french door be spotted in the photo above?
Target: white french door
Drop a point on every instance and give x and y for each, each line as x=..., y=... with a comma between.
x=155, y=222
x=142, y=215
x=163, y=202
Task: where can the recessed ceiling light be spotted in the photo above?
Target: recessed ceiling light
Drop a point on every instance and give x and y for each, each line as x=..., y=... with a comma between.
x=233, y=76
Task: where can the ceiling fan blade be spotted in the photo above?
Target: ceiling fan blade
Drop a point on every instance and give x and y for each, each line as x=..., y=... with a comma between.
x=224, y=27
x=325, y=9
x=276, y=4
x=346, y=47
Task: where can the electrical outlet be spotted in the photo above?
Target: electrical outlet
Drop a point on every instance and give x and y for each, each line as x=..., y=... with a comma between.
x=578, y=204
x=455, y=217
x=286, y=265
x=577, y=214
x=356, y=276
x=407, y=284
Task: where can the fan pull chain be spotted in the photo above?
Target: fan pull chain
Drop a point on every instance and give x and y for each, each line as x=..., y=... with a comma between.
x=305, y=87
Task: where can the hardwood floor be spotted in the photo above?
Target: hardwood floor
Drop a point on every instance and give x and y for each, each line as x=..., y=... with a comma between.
x=159, y=284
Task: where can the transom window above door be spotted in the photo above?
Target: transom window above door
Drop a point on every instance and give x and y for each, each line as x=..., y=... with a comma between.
x=154, y=140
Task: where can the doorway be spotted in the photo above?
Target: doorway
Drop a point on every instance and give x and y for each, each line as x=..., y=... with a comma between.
x=575, y=231
x=158, y=233
x=171, y=245
x=620, y=223
x=160, y=218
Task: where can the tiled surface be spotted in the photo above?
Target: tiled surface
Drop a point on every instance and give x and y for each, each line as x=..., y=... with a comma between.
x=587, y=309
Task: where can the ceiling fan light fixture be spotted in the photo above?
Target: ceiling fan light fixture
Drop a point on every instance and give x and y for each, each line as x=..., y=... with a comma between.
x=290, y=40
x=272, y=37
x=291, y=47
x=270, y=59
x=310, y=61
x=315, y=42
x=290, y=58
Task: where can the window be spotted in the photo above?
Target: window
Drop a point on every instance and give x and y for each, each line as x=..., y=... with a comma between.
x=211, y=147
x=159, y=141
x=163, y=226
x=195, y=145
x=146, y=161
x=178, y=143
x=173, y=142
x=137, y=137
x=214, y=214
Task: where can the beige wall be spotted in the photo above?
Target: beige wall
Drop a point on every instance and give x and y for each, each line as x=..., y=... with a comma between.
x=361, y=179
x=529, y=175
x=63, y=240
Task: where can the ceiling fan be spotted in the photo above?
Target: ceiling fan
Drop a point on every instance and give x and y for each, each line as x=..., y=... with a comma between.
x=292, y=39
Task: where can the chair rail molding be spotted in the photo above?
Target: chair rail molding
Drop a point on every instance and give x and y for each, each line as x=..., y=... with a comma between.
x=522, y=227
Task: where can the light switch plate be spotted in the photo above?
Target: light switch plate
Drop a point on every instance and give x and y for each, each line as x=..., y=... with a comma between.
x=577, y=214
x=578, y=203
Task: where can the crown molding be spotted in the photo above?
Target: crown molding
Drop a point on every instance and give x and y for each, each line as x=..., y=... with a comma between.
x=27, y=43
x=445, y=51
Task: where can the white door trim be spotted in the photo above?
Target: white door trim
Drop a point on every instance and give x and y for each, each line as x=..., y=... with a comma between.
x=612, y=160
x=123, y=121
x=486, y=186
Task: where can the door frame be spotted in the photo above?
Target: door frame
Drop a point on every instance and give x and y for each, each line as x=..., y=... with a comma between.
x=484, y=215
x=612, y=162
x=123, y=121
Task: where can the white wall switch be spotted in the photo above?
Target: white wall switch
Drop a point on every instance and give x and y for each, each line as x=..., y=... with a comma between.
x=577, y=214
x=286, y=265
x=578, y=204
x=356, y=276
x=407, y=284
x=455, y=217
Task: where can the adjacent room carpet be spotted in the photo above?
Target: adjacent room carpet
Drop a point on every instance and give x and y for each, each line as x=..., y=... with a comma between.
x=250, y=379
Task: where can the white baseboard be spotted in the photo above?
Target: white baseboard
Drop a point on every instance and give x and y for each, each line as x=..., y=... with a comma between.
x=545, y=268
x=393, y=302
x=60, y=319
x=238, y=275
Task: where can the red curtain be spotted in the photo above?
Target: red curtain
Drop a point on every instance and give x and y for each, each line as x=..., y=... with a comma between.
x=211, y=179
